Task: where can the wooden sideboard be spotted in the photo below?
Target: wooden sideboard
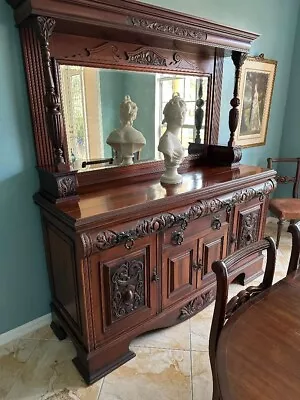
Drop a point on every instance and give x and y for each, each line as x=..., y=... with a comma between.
x=133, y=258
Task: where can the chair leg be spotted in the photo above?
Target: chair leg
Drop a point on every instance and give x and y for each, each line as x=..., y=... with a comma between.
x=279, y=230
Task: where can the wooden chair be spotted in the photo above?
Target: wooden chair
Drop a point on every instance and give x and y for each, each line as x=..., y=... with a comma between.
x=286, y=208
x=294, y=229
x=224, y=311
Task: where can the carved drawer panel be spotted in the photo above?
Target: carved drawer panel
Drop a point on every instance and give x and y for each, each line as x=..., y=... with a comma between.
x=249, y=224
x=124, y=288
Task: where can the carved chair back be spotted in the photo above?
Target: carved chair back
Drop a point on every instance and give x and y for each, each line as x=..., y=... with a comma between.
x=288, y=179
x=223, y=310
x=294, y=229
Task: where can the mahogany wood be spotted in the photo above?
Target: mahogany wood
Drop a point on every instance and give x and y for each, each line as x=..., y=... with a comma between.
x=294, y=229
x=223, y=311
x=138, y=257
x=261, y=340
x=286, y=208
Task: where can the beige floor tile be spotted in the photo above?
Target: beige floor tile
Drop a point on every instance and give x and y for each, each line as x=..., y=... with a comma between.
x=200, y=329
x=49, y=373
x=44, y=333
x=13, y=358
x=153, y=374
x=175, y=337
x=201, y=373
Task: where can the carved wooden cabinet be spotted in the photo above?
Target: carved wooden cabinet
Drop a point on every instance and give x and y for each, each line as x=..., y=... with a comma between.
x=126, y=254
x=148, y=266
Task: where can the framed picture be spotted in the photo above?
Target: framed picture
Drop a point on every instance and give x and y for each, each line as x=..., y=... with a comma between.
x=256, y=88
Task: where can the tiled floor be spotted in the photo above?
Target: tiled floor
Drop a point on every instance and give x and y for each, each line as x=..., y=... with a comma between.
x=169, y=364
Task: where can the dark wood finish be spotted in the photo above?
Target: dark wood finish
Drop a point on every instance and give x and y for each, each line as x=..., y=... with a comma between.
x=238, y=59
x=261, y=342
x=286, y=208
x=123, y=34
x=223, y=311
x=133, y=258
x=294, y=229
x=128, y=255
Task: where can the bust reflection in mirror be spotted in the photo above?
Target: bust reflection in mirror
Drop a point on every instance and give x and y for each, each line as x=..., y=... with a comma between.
x=169, y=144
x=126, y=140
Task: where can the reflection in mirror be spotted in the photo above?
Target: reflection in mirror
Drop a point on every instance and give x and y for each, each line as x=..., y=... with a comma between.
x=91, y=105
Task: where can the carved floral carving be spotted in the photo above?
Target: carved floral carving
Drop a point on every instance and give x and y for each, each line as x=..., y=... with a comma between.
x=171, y=29
x=127, y=288
x=108, y=239
x=66, y=186
x=197, y=304
x=241, y=298
x=146, y=57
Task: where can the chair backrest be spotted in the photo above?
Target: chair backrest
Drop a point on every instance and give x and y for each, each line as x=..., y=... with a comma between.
x=223, y=310
x=288, y=179
x=294, y=229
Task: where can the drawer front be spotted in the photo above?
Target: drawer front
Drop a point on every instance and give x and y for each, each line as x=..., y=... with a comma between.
x=124, y=288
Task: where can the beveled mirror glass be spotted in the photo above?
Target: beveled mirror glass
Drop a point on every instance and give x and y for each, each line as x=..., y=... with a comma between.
x=91, y=105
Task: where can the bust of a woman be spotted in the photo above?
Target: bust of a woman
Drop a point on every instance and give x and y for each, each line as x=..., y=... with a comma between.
x=126, y=140
x=169, y=144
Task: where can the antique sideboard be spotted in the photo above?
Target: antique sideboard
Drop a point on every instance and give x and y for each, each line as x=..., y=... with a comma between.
x=125, y=253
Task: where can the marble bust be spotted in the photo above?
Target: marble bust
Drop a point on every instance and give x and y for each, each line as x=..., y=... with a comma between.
x=126, y=140
x=169, y=144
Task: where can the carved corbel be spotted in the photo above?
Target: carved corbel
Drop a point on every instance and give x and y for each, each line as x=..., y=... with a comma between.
x=45, y=27
x=238, y=61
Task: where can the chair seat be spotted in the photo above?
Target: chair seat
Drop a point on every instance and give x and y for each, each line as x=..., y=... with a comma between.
x=285, y=208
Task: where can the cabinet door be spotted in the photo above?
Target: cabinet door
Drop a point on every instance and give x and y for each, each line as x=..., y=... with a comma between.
x=247, y=224
x=212, y=247
x=178, y=271
x=124, y=288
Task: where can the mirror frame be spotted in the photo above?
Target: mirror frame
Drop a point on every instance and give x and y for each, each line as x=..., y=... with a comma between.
x=167, y=40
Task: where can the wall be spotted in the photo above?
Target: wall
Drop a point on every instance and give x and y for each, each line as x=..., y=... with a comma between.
x=24, y=291
x=290, y=141
x=275, y=21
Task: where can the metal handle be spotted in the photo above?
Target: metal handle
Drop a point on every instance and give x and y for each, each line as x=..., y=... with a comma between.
x=197, y=266
x=216, y=223
x=155, y=276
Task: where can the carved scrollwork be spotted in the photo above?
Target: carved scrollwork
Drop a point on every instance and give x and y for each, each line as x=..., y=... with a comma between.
x=128, y=288
x=172, y=29
x=241, y=298
x=197, y=304
x=285, y=179
x=146, y=57
x=66, y=186
x=108, y=239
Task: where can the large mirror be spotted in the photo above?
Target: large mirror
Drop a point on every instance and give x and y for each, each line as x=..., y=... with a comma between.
x=91, y=106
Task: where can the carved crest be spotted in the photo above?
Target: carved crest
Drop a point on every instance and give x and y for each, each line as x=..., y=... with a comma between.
x=171, y=29
x=66, y=186
x=146, y=57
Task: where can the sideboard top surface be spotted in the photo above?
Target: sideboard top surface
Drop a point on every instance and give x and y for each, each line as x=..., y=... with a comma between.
x=122, y=203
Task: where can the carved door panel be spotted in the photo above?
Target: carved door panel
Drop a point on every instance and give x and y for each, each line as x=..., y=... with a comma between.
x=179, y=271
x=212, y=247
x=124, y=287
x=247, y=224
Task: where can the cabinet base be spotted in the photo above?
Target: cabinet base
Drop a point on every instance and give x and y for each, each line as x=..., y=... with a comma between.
x=90, y=378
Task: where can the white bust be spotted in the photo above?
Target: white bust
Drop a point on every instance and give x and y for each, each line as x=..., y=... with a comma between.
x=169, y=144
x=126, y=140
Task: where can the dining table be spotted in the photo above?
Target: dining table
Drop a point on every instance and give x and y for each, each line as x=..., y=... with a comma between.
x=258, y=352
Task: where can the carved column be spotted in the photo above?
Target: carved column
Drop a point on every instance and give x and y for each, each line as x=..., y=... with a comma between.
x=55, y=127
x=238, y=61
x=199, y=113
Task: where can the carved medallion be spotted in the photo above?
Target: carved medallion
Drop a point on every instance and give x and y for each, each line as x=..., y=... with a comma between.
x=249, y=225
x=197, y=304
x=127, y=288
x=171, y=29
